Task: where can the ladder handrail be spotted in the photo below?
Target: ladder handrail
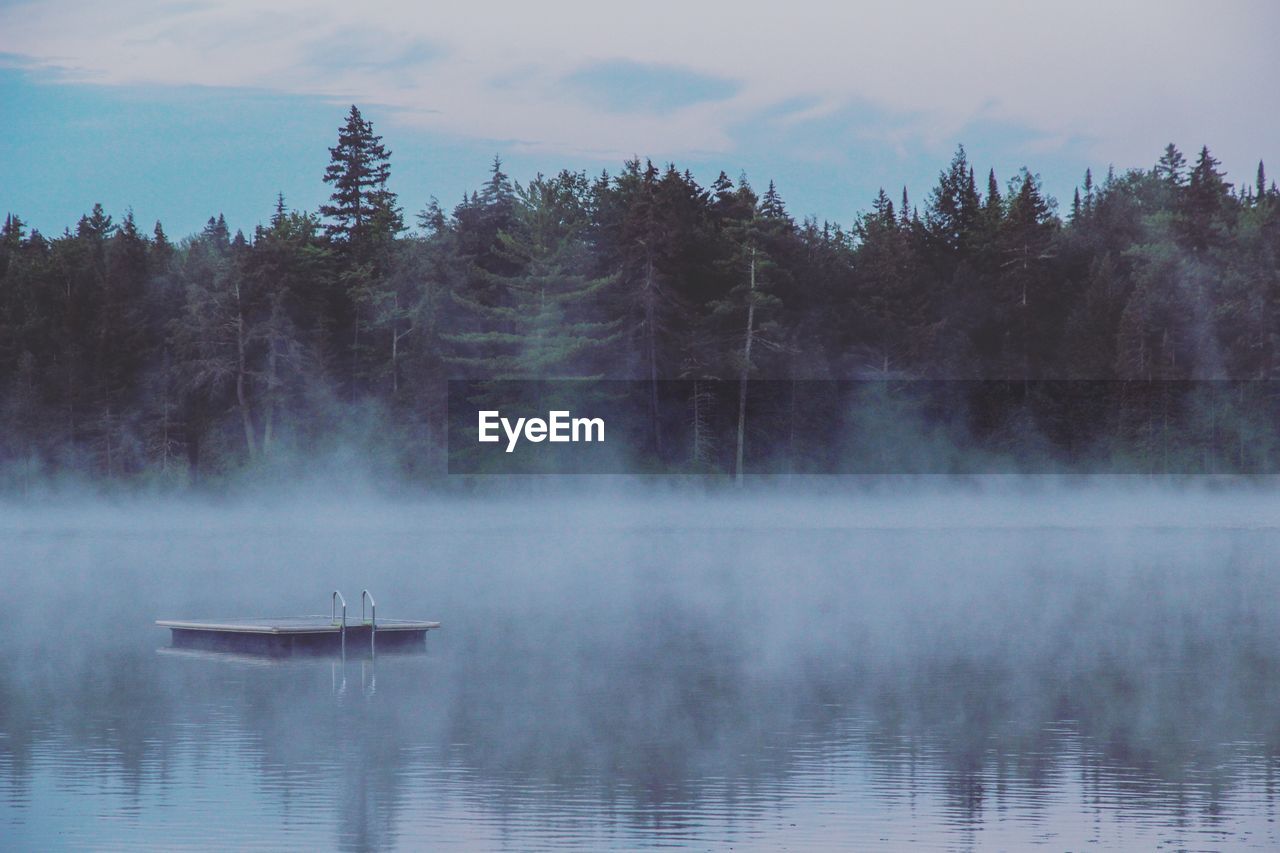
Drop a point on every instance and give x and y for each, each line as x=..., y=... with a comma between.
x=373, y=618
x=333, y=614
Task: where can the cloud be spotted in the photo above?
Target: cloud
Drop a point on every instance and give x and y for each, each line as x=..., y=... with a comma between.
x=624, y=86
x=366, y=49
x=680, y=78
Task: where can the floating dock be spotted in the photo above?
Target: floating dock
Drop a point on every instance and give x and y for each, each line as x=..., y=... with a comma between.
x=282, y=636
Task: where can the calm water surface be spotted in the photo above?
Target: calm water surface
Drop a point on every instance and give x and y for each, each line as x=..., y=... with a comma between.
x=685, y=680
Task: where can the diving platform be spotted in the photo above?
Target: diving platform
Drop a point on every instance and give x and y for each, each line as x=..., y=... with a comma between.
x=283, y=636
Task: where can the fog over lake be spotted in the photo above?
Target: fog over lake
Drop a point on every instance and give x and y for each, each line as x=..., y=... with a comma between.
x=988, y=665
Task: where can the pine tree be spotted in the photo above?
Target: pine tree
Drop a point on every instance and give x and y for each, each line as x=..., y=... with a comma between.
x=480, y=219
x=771, y=206
x=641, y=241
x=96, y=226
x=889, y=318
x=1025, y=242
x=994, y=201
x=547, y=322
x=362, y=209
x=432, y=219
x=10, y=240
x=1205, y=203
x=286, y=275
x=1171, y=166
x=498, y=194
x=121, y=347
x=364, y=220
x=162, y=425
x=212, y=338
x=952, y=214
x=747, y=314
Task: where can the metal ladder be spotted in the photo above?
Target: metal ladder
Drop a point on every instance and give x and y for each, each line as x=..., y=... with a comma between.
x=372, y=622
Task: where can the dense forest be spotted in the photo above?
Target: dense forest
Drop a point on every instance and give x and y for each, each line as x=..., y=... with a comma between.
x=126, y=354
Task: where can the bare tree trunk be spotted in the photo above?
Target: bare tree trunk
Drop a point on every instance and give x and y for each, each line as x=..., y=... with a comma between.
x=746, y=369
x=396, y=336
x=395, y=366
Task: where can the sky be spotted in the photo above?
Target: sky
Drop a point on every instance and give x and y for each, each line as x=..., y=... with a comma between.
x=182, y=110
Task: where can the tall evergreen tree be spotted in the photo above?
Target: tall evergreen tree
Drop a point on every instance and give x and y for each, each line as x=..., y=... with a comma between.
x=362, y=210
x=952, y=213
x=891, y=316
x=747, y=314
x=547, y=322
x=1171, y=168
x=363, y=221
x=1025, y=241
x=1206, y=203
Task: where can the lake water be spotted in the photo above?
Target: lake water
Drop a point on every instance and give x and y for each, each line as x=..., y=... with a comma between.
x=828, y=673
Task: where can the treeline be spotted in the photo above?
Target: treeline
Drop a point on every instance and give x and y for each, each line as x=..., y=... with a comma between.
x=125, y=354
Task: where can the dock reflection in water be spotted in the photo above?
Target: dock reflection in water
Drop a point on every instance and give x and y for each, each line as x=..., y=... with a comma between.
x=955, y=690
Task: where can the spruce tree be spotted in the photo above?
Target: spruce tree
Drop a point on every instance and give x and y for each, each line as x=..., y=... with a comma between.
x=771, y=206
x=1205, y=203
x=548, y=320
x=480, y=219
x=888, y=315
x=1171, y=166
x=952, y=213
x=362, y=210
x=364, y=220
x=994, y=201
x=747, y=314
x=640, y=239
x=1025, y=242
